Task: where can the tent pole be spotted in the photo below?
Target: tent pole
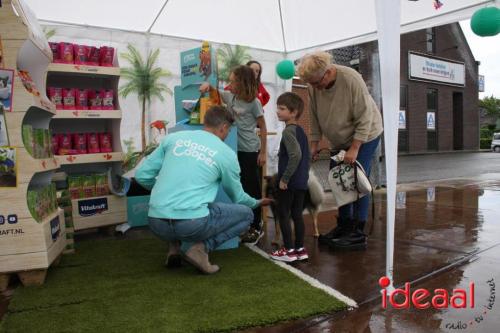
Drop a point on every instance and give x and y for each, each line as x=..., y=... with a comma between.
x=157, y=16
x=388, y=13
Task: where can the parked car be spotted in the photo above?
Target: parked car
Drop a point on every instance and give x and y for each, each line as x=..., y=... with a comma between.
x=495, y=143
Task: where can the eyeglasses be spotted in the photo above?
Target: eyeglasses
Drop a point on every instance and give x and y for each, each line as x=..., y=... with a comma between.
x=320, y=80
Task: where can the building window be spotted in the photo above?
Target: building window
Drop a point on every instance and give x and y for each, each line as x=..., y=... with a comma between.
x=430, y=35
x=432, y=95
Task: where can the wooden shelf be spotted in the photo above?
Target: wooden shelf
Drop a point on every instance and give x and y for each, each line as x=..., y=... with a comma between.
x=73, y=69
x=51, y=216
x=88, y=114
x=103, y=211
x=89, y=158
x=34, y=165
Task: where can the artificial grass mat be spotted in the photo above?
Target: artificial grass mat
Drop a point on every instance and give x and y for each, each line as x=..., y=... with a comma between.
x=122, y=286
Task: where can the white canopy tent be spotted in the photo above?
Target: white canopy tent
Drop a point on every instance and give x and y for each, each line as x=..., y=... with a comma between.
x=289, y=28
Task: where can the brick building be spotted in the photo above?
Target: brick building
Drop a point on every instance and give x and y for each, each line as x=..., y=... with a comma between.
x=438, y=93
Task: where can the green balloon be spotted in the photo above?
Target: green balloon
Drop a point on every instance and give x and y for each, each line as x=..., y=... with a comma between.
x=285, y=69
x=486, y=22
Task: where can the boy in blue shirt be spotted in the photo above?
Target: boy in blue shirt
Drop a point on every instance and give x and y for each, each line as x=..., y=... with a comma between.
x=293, y=174
x=184, y=173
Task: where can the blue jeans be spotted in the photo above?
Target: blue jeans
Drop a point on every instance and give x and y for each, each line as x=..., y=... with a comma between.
x=359, y=208
x=224, y=221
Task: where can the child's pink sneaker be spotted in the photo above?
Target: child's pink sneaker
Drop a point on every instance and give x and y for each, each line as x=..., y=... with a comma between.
x=301, y=254
x=284, y=255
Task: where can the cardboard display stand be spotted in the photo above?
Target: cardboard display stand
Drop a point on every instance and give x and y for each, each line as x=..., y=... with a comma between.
x=27, y=246
x=94, y=211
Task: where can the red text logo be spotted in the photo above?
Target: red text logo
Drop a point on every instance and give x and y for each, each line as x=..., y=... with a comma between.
x=422, y=298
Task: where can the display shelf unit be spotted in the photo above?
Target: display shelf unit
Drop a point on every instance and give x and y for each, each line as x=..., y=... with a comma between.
x=91, y=121
x=27, y=247
x=72, y=70
x=116, y=209
x=88, y=114
x=89, y=158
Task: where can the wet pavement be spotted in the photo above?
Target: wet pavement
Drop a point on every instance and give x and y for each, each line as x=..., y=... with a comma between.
x=447, y=235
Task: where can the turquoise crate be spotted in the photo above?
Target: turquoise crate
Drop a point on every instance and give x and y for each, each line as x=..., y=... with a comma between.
x=137, y=210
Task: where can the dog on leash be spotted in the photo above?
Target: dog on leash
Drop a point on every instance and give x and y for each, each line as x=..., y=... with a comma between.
x=312, y=201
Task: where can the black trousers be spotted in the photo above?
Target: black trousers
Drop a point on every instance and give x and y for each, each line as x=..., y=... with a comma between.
x=250, y=180
x=291, y=204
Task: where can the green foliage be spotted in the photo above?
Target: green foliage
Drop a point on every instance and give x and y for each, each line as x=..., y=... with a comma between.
x=123, y=286
x=485, y=143
x=143, y=78
x=132, y=158
x=229, y=57
x=491, y=104
x=49, y=33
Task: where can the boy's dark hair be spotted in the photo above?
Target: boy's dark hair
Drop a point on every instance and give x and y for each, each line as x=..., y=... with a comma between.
x=218, y=115
x=293, y=102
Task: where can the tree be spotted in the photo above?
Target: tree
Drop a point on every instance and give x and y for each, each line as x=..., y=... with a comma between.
x=144, y=80
x=229, y=57
x=491, y=105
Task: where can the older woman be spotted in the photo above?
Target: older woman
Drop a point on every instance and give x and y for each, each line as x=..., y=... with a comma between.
x=343, y=111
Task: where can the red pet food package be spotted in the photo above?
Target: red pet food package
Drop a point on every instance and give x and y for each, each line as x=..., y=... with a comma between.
x=95, y=100
x=106, y=54
x=66, y=52
x=64, y=143
x=56, y=55
x=105, y=142
x=55, y=95
x=55, y=144
x=81, y=101
x=107, y=99
x=93, y=56
x=80, y=54
x=69, y=98
x=80, y=143
x=93, y=143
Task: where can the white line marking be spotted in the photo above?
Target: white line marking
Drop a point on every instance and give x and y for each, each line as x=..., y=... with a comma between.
x=312, y=281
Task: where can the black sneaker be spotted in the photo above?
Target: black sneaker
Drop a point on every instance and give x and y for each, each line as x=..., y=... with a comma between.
x=355, y=240
x=252, y=237
x=343, y=228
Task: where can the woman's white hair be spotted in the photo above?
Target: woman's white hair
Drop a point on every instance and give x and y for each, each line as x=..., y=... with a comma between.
x=313, y=64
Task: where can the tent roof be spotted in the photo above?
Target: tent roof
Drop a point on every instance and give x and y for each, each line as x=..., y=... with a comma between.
x=288, y=26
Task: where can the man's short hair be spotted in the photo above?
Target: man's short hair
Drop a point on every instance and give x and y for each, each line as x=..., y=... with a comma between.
x=218, y=115
x=293, y=102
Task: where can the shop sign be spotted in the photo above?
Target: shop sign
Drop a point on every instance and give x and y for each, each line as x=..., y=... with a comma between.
x=431, y=120
x=434, y=69
x=92, y=206
x=55, y=228
x=402, y=119
x=198, y=66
